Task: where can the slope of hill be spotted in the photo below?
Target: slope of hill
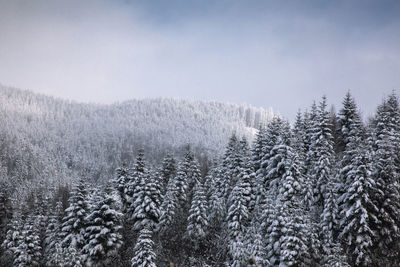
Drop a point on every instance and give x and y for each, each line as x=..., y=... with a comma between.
x=49, y=138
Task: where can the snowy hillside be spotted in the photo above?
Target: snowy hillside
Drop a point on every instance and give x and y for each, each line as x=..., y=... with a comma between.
x=53, y=134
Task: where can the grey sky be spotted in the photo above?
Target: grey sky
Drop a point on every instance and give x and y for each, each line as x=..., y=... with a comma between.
x=281, y=54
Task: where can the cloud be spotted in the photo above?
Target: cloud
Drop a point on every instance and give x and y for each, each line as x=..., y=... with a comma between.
x=280, y=55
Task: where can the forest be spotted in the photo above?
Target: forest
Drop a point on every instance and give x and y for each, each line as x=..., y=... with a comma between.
x=323, y=191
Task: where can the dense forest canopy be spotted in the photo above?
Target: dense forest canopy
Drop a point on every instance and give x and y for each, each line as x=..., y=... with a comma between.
x=321, y=192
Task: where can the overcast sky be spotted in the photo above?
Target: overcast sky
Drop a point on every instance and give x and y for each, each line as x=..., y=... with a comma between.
x=280, y=54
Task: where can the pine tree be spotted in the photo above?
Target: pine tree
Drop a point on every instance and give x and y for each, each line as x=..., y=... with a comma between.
x=273, y=234
x=217, y=202
x=329, y=216
x=255, y=246
x=14, y=235
x=28, y=249
x=197, y=220
x=181, y=184
x=238, y=213
x=103, y=238
x=238, y=253
x=52, y=234
x=298, y=141
x=351, y=136
x=321, y=153
x=387, y=200
x=294, y=239
x=384, y=142
x=277, y=132
x=144, y=255
x=168, y=207
x=74, y=223
x=237, y=221
x=257, y=149
x=358, y=211
x=121, y=184
x=145, y=211
x=281, y=158
x=168, y=168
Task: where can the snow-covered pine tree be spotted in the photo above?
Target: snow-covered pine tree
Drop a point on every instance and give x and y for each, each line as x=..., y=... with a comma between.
x=237, y=220
x=281, y=156
x=217, y=203
x=255, y=245
x=351, y=136
x=196, y=229
x=387, y=201
x=28, y=249
x=121, y=184
x=168, y=207
x=168, y=168
x=74, y=223
x=231, y=164
x=52, y=234
x=145, y=211
x=257, y=149
x=239, y=256
x=273, y=233
x=277, y=131
x=294, y=239
x=140, y=165
x=190, y=167
x=181, y=184
x=298, y=139
x=132, y=181
x=310, y=119
x=358, y=212
x=143, y=255
x=102, y=234
x=13, y=235
x=321, y=153
x=329, y=217
x=349, y=120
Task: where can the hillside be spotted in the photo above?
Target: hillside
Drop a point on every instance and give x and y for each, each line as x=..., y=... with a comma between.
x=59, y=139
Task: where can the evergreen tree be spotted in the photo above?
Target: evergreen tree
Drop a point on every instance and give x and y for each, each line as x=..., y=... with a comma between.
x=28, y=249
x=14, y=235
x=273, y=234
x=277, y=132
x=294, y=239
x=103, y=238
x=321, y=153
x=182, y=184
x=145, y=211
x=74, y=223
x=121, y=184
x=144, y=255
x=237, y=221
x=255, y=246
x=387, y=200
x=197, y=220
x=358, y=211
x=168, y=168
x=168, y=207
x=52, y=234
x=217, y=202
